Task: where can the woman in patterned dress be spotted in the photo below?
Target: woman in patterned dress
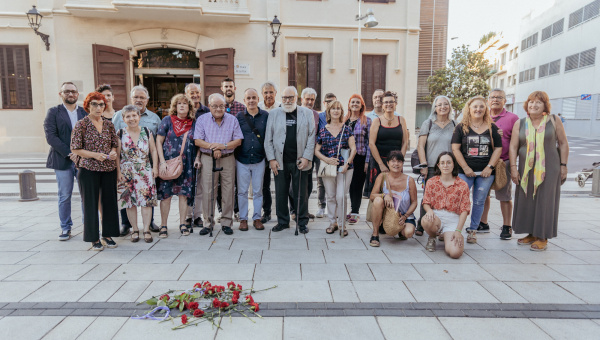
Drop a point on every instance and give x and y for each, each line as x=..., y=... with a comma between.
x=137, y=173
x=173, y=129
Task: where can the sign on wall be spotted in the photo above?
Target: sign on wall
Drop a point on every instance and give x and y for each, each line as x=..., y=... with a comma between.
x=243, y=69
x=586, y=97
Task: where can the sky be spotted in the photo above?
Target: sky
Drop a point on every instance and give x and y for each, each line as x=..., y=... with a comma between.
x=469, y=20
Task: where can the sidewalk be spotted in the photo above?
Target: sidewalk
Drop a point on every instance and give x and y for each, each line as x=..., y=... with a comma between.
x=328, y=287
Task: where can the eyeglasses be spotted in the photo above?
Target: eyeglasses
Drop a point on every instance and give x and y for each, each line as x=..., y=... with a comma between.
x=288, y=98
x=68, y=92
x=95, y=105
x=327, y=101
x=496, y=98
x=389, y=103
x=443, y=104
x=215, y=107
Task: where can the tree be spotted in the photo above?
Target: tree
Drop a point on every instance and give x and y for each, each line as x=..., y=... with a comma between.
x=463, y=78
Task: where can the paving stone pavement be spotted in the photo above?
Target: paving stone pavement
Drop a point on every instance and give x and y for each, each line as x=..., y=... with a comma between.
x=496, y=290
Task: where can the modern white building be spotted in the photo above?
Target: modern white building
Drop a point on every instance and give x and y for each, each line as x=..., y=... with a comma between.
x=558, y=52
x=166, y=44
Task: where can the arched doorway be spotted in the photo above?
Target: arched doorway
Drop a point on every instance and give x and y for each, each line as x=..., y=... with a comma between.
x=165, y=72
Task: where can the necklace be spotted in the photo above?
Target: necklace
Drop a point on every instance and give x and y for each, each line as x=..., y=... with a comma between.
x=476, y=126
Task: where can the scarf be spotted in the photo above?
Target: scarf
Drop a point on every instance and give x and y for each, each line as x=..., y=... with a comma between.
x=181, y=126
x=536, y=156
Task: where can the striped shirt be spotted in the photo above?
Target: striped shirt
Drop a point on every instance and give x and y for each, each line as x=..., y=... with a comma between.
x=209, y=131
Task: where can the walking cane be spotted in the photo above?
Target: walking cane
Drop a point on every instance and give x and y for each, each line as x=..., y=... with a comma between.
x=298, y=202
x=343, y=206
x=212, y=191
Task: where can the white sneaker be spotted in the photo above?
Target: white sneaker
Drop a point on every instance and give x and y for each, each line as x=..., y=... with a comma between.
x=320, y=213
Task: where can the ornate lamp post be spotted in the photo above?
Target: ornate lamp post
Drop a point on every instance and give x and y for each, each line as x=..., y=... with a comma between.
x=35, y=21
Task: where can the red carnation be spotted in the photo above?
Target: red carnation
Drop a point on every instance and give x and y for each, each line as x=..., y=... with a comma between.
x=239, y=287
x=184, y=319
x=165, y=297
x=206, y=284
x=198, y=313
x=254, y=306
x=216, y=303
x=198, y=285
x=249, y=299
x=234, y=300
x=236, y=294
x=193, y=305
x=224, y=305
x=230, y=285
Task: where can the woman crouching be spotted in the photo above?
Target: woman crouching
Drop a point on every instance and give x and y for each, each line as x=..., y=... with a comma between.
x=446, y=201
x=397, y=191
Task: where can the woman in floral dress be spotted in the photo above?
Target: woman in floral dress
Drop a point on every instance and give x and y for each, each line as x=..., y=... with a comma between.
x=137, y=173
x=173, y=129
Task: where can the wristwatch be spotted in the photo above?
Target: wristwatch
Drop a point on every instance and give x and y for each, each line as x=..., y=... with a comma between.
x=491, y=166
x=225, y=146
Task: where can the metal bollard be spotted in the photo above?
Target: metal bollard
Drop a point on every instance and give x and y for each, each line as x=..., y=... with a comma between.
x=27, y=186
x=596, y=182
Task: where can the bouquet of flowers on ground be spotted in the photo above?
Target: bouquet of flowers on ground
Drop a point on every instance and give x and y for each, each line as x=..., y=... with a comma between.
x=204, y=303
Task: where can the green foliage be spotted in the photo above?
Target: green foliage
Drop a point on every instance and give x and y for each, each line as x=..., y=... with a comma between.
x=486, y=37
x=463, y=78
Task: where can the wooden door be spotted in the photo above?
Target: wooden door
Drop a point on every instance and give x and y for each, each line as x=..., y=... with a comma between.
x=111, y=66
x=217, y=65
x=305, y=71
x=373, y=76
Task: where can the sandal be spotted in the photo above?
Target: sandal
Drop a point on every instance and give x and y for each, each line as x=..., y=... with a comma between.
x=471, y=236
x=345, y=232
x=374, y=241
x=527, y=240
x=148, y=239
x=539, y=245
x=354, y=218
x=135, y=236
x=184, y=230
x=163, y=233
x=332, y=228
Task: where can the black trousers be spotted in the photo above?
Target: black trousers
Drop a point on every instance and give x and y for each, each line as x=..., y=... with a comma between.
x=430, y=174
x=91, y=184
x=357, y=183
x=310, y=187
x=291, y=175
x=266, y=190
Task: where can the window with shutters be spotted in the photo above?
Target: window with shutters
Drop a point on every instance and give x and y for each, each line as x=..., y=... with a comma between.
x=552, y=30
x=15, y=77
x=529, y=42
x=543, y=72
x=546, y=33
x=580, y=60
x=588, y=12
x=305, y=71
x=527, y=75
x=514, y=80
x=554, y=67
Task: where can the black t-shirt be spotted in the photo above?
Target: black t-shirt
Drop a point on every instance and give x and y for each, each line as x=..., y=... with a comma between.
x=476, y=148
x=290, y=154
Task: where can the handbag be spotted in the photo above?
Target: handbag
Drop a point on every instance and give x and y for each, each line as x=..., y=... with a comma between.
x=330, y=170
x=500, y=179
x=390, y=215
x=414, y=158
x=174, y=165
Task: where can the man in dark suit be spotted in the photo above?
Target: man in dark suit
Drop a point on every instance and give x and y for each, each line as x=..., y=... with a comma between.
x=58, y=124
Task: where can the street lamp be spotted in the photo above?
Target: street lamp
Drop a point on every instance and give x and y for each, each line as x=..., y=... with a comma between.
x=275, y=31
x=370, y=22
x=35, y=21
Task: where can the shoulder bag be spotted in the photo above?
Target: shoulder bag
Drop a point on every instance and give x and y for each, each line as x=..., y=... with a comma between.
x=500, y=179
x=174, y=165
x=414, y=158
x=330, y=170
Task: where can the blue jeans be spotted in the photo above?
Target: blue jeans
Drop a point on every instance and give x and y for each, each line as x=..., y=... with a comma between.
x=245, y=174
x=480, y=193
x=66, y=180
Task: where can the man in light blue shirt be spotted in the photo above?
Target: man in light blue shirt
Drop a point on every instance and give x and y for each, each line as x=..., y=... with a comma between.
x=149, y=120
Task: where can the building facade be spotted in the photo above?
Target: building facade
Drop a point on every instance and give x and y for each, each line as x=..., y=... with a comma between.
x=166, y=44
x=558, y=55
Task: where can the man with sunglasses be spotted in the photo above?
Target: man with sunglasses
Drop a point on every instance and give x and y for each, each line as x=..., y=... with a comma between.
x=58, y=124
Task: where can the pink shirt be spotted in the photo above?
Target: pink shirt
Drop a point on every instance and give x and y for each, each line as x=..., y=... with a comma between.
x=505, y=122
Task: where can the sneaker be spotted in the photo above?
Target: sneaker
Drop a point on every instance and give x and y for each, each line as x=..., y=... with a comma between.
x=506, y=233
x=320, y=213
x=483, y=228
x=65, y=236
x=108, y=243
x=265, y=218
x=430, y=244
x=280, y=227
x=471, y=236
x=97, y=246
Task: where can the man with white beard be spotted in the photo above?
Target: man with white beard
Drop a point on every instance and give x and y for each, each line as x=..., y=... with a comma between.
x=290, y=146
